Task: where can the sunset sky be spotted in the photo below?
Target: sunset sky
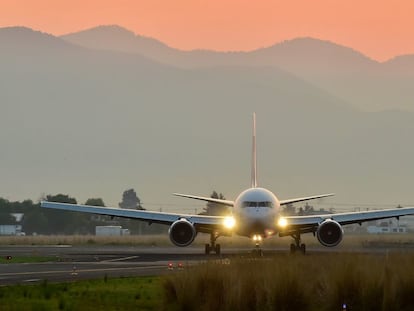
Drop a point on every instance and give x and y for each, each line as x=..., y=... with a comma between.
x=380, y=29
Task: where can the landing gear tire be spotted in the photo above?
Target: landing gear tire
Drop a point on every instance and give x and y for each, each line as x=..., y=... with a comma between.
x=209, y=248
x=257, y=252
x=218, y=249
x=297, y=246
x=213, y=247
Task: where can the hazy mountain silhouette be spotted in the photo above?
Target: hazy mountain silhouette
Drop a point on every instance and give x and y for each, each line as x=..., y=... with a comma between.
x=342, y=71
x=116, y=38
x=93, y=122
x=300, y=54
x=403, y=64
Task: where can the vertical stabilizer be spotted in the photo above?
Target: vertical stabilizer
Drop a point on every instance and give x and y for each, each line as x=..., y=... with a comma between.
x=254, y=159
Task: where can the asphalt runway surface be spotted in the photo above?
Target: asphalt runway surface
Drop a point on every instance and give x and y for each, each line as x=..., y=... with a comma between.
x=92, y=262
x=71, y=263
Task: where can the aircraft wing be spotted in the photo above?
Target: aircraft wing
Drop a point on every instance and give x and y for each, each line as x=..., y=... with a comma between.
x=289, y=201
x=309, y=223
x=203, y=223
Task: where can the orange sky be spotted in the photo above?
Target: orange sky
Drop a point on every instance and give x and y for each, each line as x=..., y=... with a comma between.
x=380, y=29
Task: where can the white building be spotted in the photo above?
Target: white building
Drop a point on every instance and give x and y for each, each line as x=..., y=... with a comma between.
x=110, y=231
x=11, y=230
x=389, y=226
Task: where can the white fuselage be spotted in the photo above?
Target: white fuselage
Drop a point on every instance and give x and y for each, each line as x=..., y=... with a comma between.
x=256, y=212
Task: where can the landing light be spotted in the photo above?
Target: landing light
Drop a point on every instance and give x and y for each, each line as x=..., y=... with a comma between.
x=257, y=238
x=282, y=222
x=229, y=222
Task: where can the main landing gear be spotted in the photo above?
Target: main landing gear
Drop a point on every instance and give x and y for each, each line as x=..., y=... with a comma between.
x=213, y=247
x=297, y=246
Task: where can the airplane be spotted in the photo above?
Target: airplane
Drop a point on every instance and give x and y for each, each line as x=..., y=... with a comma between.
x=256, y=213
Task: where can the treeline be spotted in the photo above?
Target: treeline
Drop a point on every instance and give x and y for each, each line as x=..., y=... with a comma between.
x=38, y=220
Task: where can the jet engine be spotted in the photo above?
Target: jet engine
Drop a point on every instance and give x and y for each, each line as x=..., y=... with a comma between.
x=329, y=233
x=182, y=232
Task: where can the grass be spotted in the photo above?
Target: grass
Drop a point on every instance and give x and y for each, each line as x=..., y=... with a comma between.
x=317, y=282
x=106, y=294
x=26, y=259
x=143, y=240
x=349, y=241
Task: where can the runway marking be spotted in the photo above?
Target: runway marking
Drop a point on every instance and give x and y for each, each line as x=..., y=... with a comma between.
x=80, y=270
x=120, y=259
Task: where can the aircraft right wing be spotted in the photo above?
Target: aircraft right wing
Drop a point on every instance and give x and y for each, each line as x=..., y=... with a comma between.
x=203, y=223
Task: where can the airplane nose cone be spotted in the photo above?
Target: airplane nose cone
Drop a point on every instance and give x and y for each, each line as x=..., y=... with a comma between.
x=257, y=212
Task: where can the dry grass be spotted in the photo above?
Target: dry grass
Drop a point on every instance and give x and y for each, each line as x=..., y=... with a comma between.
x=350, y=240
x=143, y=240
x=317, y=282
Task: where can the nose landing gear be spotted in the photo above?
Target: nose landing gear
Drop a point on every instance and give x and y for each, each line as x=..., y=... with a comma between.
x=257, y=251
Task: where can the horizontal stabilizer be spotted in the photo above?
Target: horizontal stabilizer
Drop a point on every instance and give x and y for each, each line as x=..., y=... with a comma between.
x=218, y=201
x=289, y=201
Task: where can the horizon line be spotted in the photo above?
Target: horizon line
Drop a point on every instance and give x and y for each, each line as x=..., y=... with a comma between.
x=209, y=49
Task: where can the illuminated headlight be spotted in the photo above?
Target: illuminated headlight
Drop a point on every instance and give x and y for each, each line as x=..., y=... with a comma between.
x=229, y=222
x=282, y=222
x=257, y=238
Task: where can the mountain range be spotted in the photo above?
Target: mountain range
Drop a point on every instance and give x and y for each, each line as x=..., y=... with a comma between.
x=100, y=111
x=342, y=71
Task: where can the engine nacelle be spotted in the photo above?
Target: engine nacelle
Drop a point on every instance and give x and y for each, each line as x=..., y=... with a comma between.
x=182, y=232
x=329, y=233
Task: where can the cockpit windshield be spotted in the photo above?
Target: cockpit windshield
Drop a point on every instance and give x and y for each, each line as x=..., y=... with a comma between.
x=257, y=204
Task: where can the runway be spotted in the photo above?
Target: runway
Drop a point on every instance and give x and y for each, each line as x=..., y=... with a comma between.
x=70, y=263
x=91, y=262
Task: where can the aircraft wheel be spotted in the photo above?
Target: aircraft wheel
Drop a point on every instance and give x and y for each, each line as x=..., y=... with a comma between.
x=207, y=249
x=218, y=249
x=292, y=248
x=257, y=252
x=303, y=248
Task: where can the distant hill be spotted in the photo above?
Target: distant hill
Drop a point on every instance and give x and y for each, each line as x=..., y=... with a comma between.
x=94, y=122
x=116, y=38
x=339, y=70
x=300, y=54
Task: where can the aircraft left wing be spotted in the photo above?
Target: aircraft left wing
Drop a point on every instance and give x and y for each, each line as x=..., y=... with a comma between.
x=309, y=223
x=203, y=223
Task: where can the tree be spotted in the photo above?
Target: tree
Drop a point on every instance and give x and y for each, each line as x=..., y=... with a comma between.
x=216, y=209
x=7, y=219
x=289, y=209
x=61, y=198
x=65, y=222
x=36, y=220
x=308, y=209
x=130, y=200
x=95, y=202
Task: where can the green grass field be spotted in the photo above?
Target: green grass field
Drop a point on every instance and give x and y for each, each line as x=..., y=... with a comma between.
x=26, y=259
x=377, y=282
x=106, y=294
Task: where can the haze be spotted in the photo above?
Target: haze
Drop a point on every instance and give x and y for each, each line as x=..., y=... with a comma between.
x=99, y=111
